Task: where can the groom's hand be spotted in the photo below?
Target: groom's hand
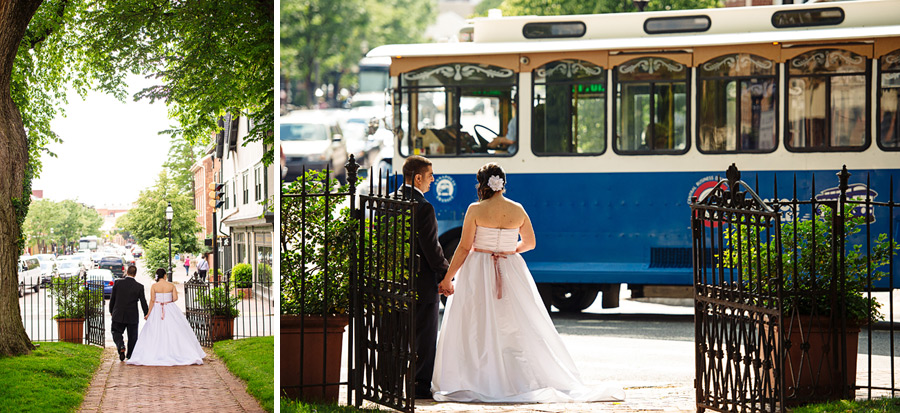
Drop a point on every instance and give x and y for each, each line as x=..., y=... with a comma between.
x=145, y=317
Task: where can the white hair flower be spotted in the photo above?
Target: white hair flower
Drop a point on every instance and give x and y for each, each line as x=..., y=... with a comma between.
x=496, y=183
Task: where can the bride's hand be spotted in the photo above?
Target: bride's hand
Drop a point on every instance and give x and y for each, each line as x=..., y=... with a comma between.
x=446, y=287
x=146, y=316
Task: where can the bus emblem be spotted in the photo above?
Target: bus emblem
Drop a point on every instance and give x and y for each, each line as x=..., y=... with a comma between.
x=444, y=188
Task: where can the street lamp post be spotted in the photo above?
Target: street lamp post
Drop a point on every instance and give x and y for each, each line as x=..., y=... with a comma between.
x=169, y=215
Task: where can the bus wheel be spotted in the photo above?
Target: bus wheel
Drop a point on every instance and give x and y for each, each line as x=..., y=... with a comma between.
x=573, y=299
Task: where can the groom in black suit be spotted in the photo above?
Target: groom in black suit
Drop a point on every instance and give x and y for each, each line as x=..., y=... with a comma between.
x=123, y=305
x=417, y=178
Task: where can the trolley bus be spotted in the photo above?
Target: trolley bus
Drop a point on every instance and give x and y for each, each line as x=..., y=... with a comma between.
x=622, y=118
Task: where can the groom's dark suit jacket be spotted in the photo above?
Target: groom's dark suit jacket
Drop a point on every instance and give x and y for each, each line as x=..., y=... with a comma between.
x=122, y=302
x=432, y=264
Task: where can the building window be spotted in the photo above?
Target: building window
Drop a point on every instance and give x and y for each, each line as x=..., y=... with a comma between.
x=245, y=186
x=889, y=97
x=458, y=109
x=651, y=106
x=227, y=198
x=737, y=104
x=826, y=101
x=240, y=247
x=257, y=183
x=263, y=244
x=569, y=108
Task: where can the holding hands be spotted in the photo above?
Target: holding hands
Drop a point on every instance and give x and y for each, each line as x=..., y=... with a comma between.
x=446, y=287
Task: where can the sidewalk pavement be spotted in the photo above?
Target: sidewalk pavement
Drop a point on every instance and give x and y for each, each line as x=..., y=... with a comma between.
x=118, y=387
x=643, y=399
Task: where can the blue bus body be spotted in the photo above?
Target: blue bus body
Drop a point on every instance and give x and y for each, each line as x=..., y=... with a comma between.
x=596, y=228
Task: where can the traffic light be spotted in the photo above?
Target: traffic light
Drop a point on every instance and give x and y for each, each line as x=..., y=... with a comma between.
x=220, y=195
x=217, y=195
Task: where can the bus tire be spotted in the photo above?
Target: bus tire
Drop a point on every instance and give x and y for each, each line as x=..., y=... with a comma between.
x=573, y=298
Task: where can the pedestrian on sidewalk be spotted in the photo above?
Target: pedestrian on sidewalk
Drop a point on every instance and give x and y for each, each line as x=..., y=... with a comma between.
x=203, y=266
x=187, y=265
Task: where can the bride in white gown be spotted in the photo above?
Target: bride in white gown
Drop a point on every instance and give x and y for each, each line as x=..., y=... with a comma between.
x=497, y=343
x=167, y=338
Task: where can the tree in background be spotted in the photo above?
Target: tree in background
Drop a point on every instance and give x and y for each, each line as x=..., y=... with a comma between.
x=147, y=220
x=323, y=40
x=182, y=155
x=69, y=221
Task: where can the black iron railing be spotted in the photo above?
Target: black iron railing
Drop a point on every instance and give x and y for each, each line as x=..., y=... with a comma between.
x=780, y=303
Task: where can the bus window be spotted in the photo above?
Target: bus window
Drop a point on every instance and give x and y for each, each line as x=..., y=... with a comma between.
x=569, y=108
x=651, y=106
x=827, y=101
x=888, y=111
x=736, y=104
x=459, y=109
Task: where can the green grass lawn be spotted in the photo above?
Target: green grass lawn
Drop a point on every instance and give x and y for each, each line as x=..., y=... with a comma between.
x=53, y=378
x=292, y=406
x=842, y=406
x=253, y=361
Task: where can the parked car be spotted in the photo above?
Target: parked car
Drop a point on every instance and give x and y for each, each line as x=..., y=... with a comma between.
x=129, y=258
x=69, y=268
x=48, y=270
x=29, y=274
x=137, y=251
x=100, y=278
x=95, y=257
x=314, y=140
x=85, y=258
x=114, y=264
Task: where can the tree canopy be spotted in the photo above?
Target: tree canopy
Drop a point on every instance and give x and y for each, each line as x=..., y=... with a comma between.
x=323, y=40
x=63, y=222
x=147, y=220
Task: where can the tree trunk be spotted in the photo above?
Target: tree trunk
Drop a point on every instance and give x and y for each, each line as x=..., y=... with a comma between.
x=14, y=18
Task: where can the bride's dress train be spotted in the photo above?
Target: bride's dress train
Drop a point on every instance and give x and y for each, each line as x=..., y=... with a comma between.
x=504, y=349
x=167, y=338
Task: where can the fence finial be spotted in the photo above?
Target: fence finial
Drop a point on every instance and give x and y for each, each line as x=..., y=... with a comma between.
x=844, y=177
x=352, y=167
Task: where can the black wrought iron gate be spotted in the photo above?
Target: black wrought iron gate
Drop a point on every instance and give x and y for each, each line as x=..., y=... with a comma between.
x=95, y=330
x=738, y=300
x=383, y=298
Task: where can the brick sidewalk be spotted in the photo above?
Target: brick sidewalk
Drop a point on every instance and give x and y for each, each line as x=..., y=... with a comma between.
x=118, y=387
x=637, y=399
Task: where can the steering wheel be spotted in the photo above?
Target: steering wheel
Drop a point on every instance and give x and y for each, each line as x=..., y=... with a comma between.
x=482, y=142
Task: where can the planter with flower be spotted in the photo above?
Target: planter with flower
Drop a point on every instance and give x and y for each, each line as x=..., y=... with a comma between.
x=74, y=302
x=824, y=301
x=317, y=241
x=242, y=281
x=222, y=308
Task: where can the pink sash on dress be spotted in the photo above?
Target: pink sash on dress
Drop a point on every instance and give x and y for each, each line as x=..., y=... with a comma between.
x=163, y=309
x=497, y=255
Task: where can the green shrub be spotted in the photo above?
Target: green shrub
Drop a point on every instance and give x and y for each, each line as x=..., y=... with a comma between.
x=242, y=276
x=219, y=302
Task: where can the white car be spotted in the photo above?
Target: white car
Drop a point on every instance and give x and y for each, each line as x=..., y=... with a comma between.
x=69, y=268
x=312, y=139
x=29, y=274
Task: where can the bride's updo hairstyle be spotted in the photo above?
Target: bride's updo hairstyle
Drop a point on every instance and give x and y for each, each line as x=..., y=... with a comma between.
x=486, y=186
x=160, y=274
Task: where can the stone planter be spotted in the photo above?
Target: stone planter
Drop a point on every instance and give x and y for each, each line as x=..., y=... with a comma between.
x=71, y=330
x=302, y=364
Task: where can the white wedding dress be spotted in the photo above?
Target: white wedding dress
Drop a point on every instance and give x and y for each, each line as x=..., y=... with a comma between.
x=167, y=338
x=504, y=349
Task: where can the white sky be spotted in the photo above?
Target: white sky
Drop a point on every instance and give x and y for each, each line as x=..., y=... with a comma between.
x=111, y=150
